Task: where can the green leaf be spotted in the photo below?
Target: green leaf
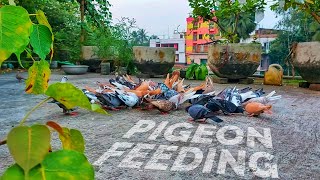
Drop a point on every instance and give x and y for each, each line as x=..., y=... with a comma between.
x=67, y=164
x=201, y=72
x=29, y=145
x=190, y=71
x=42, y=19
x=13, y=172
x=38, y=78
x=97, y=108
x=62, y=165
x=41, y=40
x=15, y=28
x=68, y=95
x=72, y=139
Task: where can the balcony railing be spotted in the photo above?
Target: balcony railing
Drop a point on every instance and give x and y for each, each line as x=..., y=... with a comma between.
x=200, y=48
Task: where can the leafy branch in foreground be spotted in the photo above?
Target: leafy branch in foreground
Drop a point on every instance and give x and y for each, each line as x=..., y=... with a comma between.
x=30, y=146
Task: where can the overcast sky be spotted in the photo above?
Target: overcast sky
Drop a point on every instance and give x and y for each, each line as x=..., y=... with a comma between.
x=162, y=17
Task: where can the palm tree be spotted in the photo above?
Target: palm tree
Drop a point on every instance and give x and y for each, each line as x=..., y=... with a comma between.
x=245, y=25
x=134, y=38
x=143, y=37
x=153, y=37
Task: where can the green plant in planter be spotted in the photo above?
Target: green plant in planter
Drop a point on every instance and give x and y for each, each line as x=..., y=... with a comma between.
x=196, y=71
x=235, y=18
x=114, y=43
x=30, y=145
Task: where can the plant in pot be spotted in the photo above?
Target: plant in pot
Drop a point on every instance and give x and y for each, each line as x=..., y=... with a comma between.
x=115, y=46
x=305, y=56
x=196, y=71
x=235, y=20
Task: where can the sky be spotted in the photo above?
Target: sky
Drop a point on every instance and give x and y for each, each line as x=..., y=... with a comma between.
x=162, y=17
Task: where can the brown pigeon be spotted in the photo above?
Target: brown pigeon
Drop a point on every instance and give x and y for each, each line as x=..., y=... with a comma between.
x=164, y=106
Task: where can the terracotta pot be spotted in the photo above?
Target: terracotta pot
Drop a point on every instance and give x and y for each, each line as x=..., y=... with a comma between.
x=154, y=60
x=234, y=61
x=306, y=60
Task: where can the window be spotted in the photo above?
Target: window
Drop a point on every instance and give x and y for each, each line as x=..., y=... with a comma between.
x=181, y=36
x=158, y=45
x=171, y=45
x=200, y=36
x=194, y=37
x=194, y=48
x=195, y=25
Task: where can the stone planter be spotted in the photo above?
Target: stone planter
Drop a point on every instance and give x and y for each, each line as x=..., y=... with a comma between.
x=89, y=52
x=154, y=60
x=75, y=69
x=54, y=65
x=307, y=61
x=105, y=68
x=234, y=61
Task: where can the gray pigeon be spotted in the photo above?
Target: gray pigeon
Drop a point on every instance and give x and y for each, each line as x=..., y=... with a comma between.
x=199, y=112
x=109, y=99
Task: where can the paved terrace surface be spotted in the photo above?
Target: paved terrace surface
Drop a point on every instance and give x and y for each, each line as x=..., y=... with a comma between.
x=288, y=147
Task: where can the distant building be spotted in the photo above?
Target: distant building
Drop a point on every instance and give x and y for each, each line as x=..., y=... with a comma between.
x=265, y=37
x=177, y=42
x=198, y=36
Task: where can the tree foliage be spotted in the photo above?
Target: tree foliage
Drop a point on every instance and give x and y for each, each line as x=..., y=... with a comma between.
x=235, y=18
x=291, y=30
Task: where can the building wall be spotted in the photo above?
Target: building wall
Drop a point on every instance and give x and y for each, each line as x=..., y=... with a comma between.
x=198, y=33
x=176, y=42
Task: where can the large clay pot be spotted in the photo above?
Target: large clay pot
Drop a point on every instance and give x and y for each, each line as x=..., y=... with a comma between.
x=234, y=61
x=306, y=60
x=154, y=60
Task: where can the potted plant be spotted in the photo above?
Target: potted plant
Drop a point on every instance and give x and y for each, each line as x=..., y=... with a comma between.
x=235, y=20
x=99, y=15
x=305, y=56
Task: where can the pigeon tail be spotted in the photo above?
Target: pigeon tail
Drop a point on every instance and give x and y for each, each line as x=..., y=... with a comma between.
x=271, y=94
x=212, y=117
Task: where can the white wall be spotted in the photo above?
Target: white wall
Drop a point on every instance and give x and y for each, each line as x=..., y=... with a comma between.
x=179, y=41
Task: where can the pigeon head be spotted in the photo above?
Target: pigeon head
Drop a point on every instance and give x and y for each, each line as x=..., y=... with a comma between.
x=64, y=79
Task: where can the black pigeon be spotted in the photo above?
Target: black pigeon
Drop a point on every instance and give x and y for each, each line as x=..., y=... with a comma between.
x=259, y=92
x=121, y=80
x=201, y=100
x=199, y=112
x=109, y=99
x=225, y=106
x=65, y=110
x=244, y=90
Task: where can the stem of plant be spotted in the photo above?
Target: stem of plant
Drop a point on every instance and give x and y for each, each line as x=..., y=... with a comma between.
x=33, y=109
x=30, y=55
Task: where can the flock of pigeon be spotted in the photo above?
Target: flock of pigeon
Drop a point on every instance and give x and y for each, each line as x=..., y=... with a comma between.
x=205, y=104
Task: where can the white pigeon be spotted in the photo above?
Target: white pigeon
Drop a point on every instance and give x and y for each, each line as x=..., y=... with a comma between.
x=129, y=98
x=266, y=99
x=181, y=97
x=64, y=79
x=247, y=95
